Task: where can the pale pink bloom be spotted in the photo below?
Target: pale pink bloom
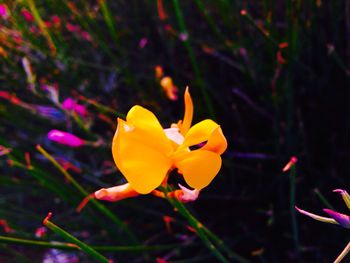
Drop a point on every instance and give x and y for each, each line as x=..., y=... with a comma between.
x=40, y=232
x=293, y=160
x=52, y=91
x=65, y=138
x=183, y=36
x=188, y=195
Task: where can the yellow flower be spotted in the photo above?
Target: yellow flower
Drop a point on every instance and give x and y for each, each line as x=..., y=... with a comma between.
x=145, y=153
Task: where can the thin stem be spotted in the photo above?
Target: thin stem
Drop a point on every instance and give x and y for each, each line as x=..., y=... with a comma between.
x=343, y=253
x=323, y=199
x=68, y=237
x=109, y=20
x=84, y=193
x=199, y=231
x=42, y=26
x=68, y=246
x=292, y=208
x=204, y=233
x=192, y=57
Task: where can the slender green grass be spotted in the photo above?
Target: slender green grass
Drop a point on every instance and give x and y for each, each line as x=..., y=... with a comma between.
x=292, y=191
x=84, y=193
x=32, y=6
x=323, y=199
x=192, y=58
x=204, y=233
x=67, y=246
x=68, y=237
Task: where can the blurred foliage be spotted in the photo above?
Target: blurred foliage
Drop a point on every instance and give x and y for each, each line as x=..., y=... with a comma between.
x=273, y=74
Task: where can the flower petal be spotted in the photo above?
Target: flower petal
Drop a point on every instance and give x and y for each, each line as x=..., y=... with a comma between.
x=186, y=123
x=198, y=167
x=174, y=135
x=216, y=142
x=342, y=219
x=139, y=158
x=188, y=195
x=206, y=131
x=146, y=122
x=116, y=193
x=317, y=217
x=344, y=194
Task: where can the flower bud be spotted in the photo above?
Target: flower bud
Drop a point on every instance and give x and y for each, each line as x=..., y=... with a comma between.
x=65, y=138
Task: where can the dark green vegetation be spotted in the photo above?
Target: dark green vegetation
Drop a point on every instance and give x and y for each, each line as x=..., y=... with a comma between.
x=273, y=74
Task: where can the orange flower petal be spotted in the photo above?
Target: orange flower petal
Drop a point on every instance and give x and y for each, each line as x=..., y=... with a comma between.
x=147, y=124
x=116, y=193
x=186, y=123
x=216, y=142
x=206, y=131
x=198, y=167
x=140, y=157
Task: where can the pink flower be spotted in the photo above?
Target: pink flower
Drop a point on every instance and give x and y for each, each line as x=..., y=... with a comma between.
x=73, y=28
x=4, y=12
x=342, y=219
x=71, y=105
x=56, y=21
x=85, y=35
x=65, y=138
x=27, y=15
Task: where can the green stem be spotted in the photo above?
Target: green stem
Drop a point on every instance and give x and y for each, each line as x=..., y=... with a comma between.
x=292, y=208
x=67, y=246
x=199, y=231
x=343, y=253
x=109, y=20
x=18, y=257
x=252, y=22
x=84, y=193
x=204, y=233
x=323, y=199
x=210, y=21
x=68, y=237
x=42, y=26
x=192, y=57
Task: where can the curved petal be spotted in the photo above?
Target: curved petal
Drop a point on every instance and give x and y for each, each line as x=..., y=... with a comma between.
x=206, y=131
x=198, y=167
x=147, y=123
x=143, y=165
x=116, y=193
x=186, y=123
x=216, y=142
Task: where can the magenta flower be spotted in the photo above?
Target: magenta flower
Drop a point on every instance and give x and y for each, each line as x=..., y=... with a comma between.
x=73, y=28
x=341, y=219
x=4, y=12
x=27, y=15
x=71, y=105
x=65, y=138
x=335, y=218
